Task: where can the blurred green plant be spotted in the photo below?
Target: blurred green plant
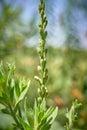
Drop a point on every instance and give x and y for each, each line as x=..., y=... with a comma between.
x=13, y=91
x=9, y=21
x=71, y=115
x=13, y=32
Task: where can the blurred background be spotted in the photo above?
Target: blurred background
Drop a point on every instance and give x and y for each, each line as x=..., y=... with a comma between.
x=67, y=52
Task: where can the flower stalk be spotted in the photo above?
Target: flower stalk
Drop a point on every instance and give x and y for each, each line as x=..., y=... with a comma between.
x=42, y=51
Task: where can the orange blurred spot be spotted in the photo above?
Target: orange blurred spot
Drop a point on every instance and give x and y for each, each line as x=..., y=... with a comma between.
x=59, y=102
x=77, y=93
x=83, y=114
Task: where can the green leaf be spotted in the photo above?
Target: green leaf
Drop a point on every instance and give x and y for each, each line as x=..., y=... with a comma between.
x=41, y=110
x=17, y=88
x=48, y=112
x=53, y=115
x=1, y=90
x=11, y=94
x=29, y=113
x=4, y=99
x=35, y=115
x=24, y=124
x=43, y=105
x=23, y=93
x=6, y=111
x=1, y=70
x=45, y=126
x=44, y=117
x=2, y=79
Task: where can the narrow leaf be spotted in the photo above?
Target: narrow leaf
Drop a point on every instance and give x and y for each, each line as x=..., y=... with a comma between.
x=23, y=93
x=53, y=115
x=24, y=124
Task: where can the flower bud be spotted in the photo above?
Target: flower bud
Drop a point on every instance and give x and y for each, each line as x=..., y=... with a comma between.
x=41, y=61
x=40, y=25
x=45, y=74
x=45, y=34
x=39, y=91
x=43, y=6
x=39, y=99
x=41, y=31
x=45, y=79
x=38, y=50
x=44, y=18
x=41, y=2
x=38, y=79
x=45, y=24
x=45, y=62
x=42, y=13
x=41, y=42
x=39, y=68
x=46, y=70
x=46, y=91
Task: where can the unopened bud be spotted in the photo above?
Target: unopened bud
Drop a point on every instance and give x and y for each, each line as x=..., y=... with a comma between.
x=39, y=99
x=45, y=78
x=46, y=91
x=38, y=50
x=41, y=31
x=44, y=18
x=38, y=79
x=40, y=25
x=45, y=34
x=42, y=13
x=39, y=68
x=45, y=24
x=43, y=6
x=41, y=42
x=39, y=91
x=41, y=2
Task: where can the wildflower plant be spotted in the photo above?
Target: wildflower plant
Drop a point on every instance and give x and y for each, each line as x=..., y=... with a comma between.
x=71, y=115
x=13, y=91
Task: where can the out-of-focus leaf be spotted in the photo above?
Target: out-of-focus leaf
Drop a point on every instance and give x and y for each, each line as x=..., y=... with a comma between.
x=6, y=111
x=29, y=114
x=35, y=115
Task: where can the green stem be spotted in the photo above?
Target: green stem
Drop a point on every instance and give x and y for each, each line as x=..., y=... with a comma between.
x=15, y=118
x=19, y=111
